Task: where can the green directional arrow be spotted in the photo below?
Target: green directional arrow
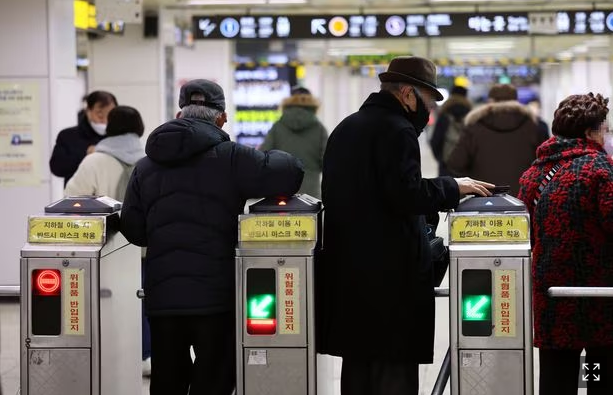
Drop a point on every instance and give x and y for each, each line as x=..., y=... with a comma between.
x=260, y=306
x=476, y=308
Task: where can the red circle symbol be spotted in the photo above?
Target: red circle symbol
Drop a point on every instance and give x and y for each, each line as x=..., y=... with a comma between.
x=48, y=281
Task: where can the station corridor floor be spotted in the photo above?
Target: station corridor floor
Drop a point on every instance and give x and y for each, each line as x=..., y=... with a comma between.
x=329, y=368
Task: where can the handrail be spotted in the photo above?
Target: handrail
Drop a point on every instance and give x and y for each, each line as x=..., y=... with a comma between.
x=443, y=375
x=9, y=290
x=580, y=292
x=445, y=370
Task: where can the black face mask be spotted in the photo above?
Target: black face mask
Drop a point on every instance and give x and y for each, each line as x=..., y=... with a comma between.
x=421, y=115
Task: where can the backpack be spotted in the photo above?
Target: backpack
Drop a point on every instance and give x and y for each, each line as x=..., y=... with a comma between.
x=124, y=179
x=452, y=136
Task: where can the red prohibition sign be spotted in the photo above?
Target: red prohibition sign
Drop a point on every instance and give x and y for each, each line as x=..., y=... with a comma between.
x=48, y=281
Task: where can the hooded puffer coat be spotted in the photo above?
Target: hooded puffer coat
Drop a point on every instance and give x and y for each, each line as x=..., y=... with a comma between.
x=300, y=133
x=183, y=202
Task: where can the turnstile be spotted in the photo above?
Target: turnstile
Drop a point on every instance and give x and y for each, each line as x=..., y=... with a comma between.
x=278, y=239
x=490, y=297
x=80, y=317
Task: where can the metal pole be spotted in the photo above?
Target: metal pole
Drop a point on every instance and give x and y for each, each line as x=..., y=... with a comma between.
x=445, y=371
x=578, y=292
x=443, y=375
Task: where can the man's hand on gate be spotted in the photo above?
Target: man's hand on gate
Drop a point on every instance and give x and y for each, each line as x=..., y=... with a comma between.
x=469, y=186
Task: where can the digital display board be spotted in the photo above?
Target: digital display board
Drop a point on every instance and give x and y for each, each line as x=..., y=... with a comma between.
x=402, y=25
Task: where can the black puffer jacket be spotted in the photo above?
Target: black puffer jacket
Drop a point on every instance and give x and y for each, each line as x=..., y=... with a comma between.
x=183, y=202
x=71, y=147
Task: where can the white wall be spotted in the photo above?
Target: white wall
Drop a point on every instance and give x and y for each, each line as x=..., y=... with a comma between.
x=339, y=92
x=211, y=60
x=129, y=67
x=39, y=47
x=568, y=78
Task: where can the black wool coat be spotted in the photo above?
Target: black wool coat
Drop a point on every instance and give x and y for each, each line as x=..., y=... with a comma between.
x=183, y=202
x=374, y=283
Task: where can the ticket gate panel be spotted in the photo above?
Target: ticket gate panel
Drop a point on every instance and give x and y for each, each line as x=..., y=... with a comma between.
x=487, y=372
x=119, y=325
x=476, y=299
x=32, y=267
x=275, y=371
x=86, y=274
x=274, y=281
x=53, y=371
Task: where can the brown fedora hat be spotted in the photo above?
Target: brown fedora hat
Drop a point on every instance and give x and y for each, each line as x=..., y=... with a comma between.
x=412, y=70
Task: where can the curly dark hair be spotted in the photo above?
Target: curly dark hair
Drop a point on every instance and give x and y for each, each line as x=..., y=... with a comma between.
x=578, y=113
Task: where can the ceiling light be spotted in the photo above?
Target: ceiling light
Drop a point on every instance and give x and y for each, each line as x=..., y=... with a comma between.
x=565, y=55
x=466, y=1
x=242, y=2
x=497, y=45
x=356, y=51
x=224, y=2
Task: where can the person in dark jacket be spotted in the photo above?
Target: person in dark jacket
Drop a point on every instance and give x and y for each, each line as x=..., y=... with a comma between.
x=73, y=144
x=182, y=203
x=300, y=133
x=375, y=293
x=535, y=106
x=499, y=140
x=449, y=126
x=569, y=194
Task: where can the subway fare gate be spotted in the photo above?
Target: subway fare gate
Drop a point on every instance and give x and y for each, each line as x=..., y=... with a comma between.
x=80, y=317
x=490, y=297
x=277, y=242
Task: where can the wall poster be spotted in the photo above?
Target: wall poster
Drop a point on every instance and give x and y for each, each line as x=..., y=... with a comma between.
x=19, y=134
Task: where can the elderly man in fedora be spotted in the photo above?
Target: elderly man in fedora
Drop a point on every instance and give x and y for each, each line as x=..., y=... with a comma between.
x=374, y=281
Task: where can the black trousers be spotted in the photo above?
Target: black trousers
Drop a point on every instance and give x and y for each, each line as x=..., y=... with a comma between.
x=213, y=340
x=378, y=377
x=560, y=370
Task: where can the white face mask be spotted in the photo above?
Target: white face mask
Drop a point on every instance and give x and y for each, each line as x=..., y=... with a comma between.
x=608, y=143
x=99, y=128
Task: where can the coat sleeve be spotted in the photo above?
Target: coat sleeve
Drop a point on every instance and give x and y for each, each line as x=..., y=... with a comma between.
x=323, y=143
x=133, y=225
x=460, y=161
x=64, y=160
x=399, y=168
x=264, y=174
x=605, y=200
x=269, y=141
x=84, y=181
x=438, y=136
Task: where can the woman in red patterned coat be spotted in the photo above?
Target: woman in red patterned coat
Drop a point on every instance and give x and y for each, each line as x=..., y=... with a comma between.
x=572, y=224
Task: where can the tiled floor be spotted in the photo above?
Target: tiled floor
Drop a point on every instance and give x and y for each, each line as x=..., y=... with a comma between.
x=329, y=368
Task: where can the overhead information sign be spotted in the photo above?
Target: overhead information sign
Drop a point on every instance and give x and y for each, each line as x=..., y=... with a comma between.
x=402, y=25
x=499, y=228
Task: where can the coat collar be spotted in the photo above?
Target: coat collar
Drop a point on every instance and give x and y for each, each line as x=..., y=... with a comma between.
x=385, y=99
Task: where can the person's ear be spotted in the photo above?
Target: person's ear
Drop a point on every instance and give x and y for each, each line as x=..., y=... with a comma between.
x=411, y=98
x=179, y=114
x=221, y=120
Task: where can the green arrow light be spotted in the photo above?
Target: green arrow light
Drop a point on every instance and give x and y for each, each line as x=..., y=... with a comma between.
x=260, y=306
x=477, y=308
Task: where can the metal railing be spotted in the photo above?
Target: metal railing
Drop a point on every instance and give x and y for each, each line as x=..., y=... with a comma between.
x=9, y=291
x=445, y=371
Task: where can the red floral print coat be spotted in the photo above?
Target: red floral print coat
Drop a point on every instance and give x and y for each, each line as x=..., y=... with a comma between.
x=572, y=228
